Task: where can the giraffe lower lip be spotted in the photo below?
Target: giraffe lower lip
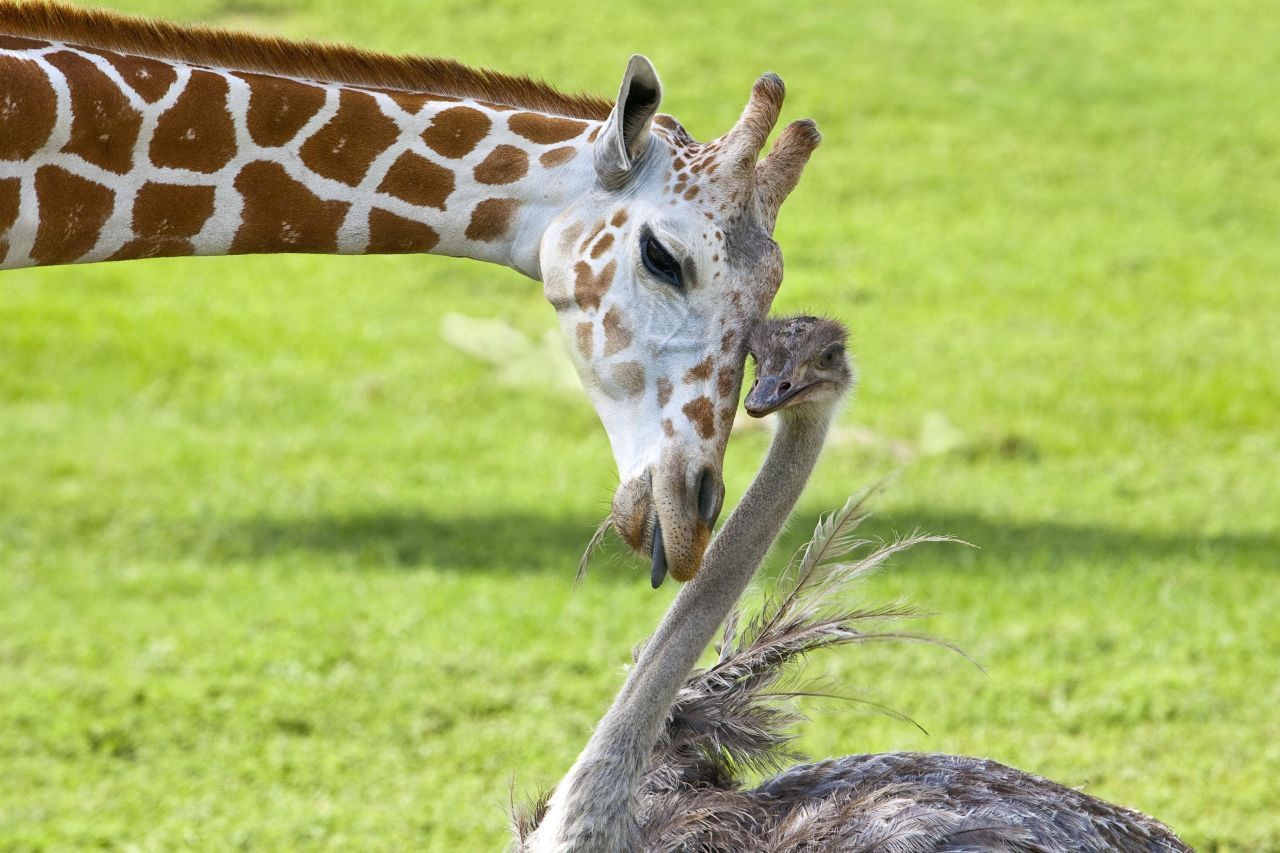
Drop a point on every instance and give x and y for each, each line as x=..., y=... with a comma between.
x=659, y=571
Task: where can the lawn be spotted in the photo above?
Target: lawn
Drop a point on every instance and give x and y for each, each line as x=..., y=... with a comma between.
x=280, y=568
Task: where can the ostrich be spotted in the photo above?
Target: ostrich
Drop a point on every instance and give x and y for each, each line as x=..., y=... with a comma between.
x=658, y=772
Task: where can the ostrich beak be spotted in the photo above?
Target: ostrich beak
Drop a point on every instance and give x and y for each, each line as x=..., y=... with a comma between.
x=768, y=395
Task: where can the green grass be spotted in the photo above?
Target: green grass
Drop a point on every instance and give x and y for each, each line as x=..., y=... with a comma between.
x=281, y=570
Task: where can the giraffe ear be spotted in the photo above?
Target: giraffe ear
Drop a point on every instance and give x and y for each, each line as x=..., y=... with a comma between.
x=625, y=135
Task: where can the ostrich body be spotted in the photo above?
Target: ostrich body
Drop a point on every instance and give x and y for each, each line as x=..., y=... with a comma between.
x=659, y=772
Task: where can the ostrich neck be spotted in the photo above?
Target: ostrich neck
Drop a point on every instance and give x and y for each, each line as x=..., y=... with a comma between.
x=592, y=807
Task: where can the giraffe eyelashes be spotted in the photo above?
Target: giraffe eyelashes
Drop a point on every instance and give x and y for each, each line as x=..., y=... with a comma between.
x=658, y=261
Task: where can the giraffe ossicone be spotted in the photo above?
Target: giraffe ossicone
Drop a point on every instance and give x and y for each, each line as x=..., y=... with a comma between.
x=124, y=138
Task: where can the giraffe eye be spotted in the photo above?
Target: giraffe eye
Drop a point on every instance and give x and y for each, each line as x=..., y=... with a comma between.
x=658, y=261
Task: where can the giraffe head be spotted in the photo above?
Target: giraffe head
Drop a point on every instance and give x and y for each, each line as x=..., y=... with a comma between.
x=657, y=275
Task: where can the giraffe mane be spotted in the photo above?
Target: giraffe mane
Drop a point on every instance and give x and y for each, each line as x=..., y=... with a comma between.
x=309, y=60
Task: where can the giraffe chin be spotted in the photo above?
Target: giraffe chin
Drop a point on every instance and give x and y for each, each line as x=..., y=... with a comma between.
x=687, y=569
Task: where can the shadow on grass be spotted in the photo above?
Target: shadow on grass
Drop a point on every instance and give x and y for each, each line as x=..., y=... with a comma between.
x=501, y=542
x=1004, y=545
x=504, y=542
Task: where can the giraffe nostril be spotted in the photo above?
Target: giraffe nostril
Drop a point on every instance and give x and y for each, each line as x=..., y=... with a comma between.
x=710, y=496
x=784, y=387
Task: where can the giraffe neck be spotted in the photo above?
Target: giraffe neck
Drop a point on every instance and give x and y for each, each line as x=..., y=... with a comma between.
x=107, y=156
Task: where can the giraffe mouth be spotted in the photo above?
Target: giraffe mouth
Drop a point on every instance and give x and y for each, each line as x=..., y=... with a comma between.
x=673, y=537
x=658, y=569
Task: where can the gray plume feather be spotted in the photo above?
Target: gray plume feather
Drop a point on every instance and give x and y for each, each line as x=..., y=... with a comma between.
x=737, y=715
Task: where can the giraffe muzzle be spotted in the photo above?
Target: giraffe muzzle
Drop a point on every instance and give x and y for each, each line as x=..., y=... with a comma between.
x=710, y=500
x=669, y=520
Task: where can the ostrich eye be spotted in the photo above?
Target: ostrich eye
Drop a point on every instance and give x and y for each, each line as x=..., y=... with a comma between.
x=658, y=261
x=831, y=357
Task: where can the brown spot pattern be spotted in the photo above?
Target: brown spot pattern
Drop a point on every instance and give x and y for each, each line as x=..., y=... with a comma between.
x=589, y=288
x=595, y=232
x=390, y=234
x=148, y=77
x=700, y=371
x=417, y=180
x=701, y=414
x=278, y=108
x=586, y=339
x=557, y=157
x=411, y=102
x=456, y=131
x=72, y=212
x=29, y=108
x=104, y=127
x=196, y=132
x=630, y=377
x=171, y=210
x=504, y=165
x=491, y=218
x=569, y=236
x=16, y=43
x=282, y=215
x=10, y=196
x=345, y=147
x=617, y=336
x=619, y=219
x=668, y=428
x=664, y=392
x=726, y=382
x=74, y=24
x=602, y=245
x=543, y=129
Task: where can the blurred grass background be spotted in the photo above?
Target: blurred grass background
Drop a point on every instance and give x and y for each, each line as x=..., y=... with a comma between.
x=279, y=569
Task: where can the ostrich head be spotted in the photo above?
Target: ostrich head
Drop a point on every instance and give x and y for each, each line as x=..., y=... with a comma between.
x=799, y=361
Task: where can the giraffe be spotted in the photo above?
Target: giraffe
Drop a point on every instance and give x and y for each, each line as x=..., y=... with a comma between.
x=125, y=138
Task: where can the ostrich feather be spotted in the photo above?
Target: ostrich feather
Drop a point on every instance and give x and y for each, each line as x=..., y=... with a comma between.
x=738, y=716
